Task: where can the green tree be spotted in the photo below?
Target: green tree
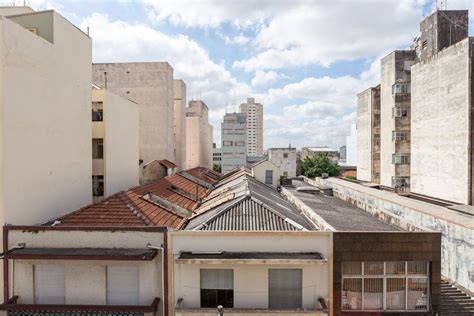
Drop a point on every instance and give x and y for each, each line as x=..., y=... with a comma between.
x=317, y=165
x=216, y=167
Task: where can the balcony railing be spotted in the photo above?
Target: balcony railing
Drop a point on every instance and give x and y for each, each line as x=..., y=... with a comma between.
x=16, y=309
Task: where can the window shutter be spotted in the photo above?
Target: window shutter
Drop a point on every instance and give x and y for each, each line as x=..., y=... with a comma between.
x=217, y=279
x=285, y=288
x=122, y=285
x=49, y=284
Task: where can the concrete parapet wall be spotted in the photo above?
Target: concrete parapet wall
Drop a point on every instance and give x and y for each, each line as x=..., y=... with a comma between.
x=457, y=229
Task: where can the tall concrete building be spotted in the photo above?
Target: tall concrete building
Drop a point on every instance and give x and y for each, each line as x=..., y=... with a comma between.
x=284, y=159
x=150, y=85
x=254, y=113
x=368, y=135
x=114, y=127
x=395, y=108
x=180, y=123
x=234, y=141
x=45, y=120
x=442, y=110
x=198, y=135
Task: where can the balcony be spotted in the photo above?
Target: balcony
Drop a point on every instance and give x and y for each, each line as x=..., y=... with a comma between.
x=16, y=309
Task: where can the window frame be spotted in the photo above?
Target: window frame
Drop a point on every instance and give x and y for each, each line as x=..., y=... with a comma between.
x=385, y=276
x=226, y=291
x=301, y=294
x=108, y=274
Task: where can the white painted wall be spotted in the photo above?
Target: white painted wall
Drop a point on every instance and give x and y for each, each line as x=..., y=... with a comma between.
x=351, y=147
x=288, y=164
x=258, y=172
x=121, y=143
x=45, y=125
x=250, y=280
x=364, y=135
x=440, y=125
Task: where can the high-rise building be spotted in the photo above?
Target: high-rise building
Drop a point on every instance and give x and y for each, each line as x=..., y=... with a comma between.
x=368, y=135
x=114, y=127
x=150, y=85
x=395, y=108
x=180, y=123
x=254, y=113
x=234, y=141
x=198, y=135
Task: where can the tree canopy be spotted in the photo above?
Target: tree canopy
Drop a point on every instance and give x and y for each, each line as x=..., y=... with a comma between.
x=317, y=165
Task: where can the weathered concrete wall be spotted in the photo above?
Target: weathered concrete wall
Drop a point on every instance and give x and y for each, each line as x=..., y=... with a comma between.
x=150, y=85
x=364, y=135
x=180, y=123
x=259, y=171
x=457, y=229
x=288, y=164
x=198, y=135
x=440, y=125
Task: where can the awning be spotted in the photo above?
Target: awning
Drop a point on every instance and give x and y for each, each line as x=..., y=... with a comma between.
x=82, y=254
x=250, y=257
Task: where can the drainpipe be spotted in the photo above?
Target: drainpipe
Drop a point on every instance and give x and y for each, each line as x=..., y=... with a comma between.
x=161, y=248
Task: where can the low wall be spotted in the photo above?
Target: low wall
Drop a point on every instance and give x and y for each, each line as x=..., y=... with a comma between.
x=457, y=246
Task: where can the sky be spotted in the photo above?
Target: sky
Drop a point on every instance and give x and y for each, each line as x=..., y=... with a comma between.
x=305, y=61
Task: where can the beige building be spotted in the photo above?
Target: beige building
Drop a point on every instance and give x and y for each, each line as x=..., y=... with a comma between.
x=198, y=135
x=284, y=159
x=368, y=135
x=180, y=123
x=233, y=141
x=150, y=85
x=45, y=120
x=395, y=112
x=266, y=172
x=115, y=163
x=254, y=113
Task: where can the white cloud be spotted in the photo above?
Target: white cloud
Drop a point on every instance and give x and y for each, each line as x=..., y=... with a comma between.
x=119, y=41
x=262, y=78
x=323, y=32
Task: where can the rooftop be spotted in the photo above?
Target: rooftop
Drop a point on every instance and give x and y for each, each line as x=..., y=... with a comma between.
x=325, y=149
x=239, y=202
x=339, y=214
x=169, y=202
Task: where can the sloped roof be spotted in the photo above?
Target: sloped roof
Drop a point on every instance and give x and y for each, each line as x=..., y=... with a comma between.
x=134, y=207
x=239, y=202
x=167, y=163
x=208, y=175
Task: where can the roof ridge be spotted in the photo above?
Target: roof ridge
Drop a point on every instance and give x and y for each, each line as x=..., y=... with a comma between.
x=133, y=208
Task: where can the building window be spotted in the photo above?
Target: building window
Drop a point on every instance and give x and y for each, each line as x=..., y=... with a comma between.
x=400, y=112
x=49, y=285
x=401, y=88
x=97, y=115
x=97, y=148
x=285, y=288
x=217, y=288
x=399, y=136
x=122, y=285
x=400, y=159
x=269, y=177
x=240, y=143
x=400, y=182
x=97, y=185
x=394, y=285
x=285, y=155
x=227, y=143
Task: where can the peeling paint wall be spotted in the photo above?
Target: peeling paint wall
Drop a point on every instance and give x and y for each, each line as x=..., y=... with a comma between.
x=457, y=252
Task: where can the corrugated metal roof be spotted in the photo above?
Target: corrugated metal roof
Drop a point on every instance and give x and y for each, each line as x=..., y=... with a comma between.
x=249, y=214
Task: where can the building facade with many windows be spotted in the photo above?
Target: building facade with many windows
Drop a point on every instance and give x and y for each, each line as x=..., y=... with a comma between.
x=234, y=141
x=254, y=112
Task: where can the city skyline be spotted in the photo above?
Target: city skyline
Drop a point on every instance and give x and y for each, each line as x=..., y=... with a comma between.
x=306, y=77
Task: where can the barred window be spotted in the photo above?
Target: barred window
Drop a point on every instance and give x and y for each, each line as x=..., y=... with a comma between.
x=390, y=285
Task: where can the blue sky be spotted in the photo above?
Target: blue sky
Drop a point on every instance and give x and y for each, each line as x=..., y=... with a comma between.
x=304, y=60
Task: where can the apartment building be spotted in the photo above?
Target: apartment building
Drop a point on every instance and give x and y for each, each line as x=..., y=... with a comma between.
x=442, y=98
x=45, y=66
x=199, y=135
x=254, y=112
x=395, y=115
x=234, y=141
x=114, y=127
x=150, y=85
x=180, y=123
x=216, y=155
x=284, y=159
x=368, y=135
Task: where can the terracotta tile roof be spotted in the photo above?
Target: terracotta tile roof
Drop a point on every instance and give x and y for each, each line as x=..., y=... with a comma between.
x=133, y=208
x=167, y=163
x=205, y=174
